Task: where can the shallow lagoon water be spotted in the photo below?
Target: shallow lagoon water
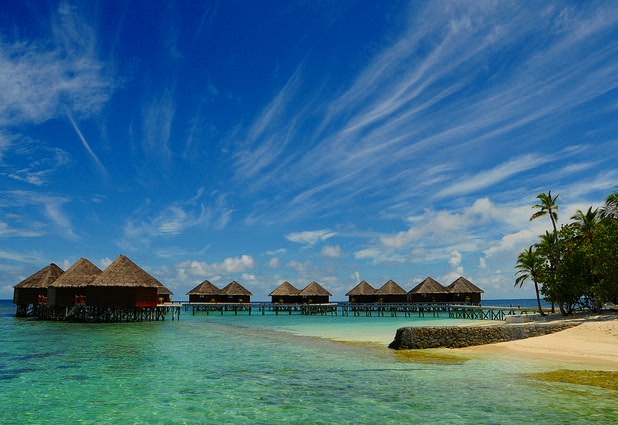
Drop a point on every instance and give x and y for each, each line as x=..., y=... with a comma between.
x=267, y=369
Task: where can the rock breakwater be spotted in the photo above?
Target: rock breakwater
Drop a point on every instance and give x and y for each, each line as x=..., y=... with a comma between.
x=467, y=336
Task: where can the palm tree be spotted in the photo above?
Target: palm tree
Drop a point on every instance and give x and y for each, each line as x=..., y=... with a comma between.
x=548, y=205
x=528, y=267
x=586, y=224
x=610, y=209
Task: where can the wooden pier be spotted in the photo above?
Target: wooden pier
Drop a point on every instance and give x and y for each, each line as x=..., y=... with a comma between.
x=454, y=311
x=262, y=308
x=85, y=313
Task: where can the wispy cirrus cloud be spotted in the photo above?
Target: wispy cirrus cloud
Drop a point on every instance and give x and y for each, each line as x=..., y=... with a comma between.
x=438, y=92
x=20, y=204
x=310, y=237
x=200, y=212
x=158, y=115
x=61, y=68
x=84, y=142
x=484, y=179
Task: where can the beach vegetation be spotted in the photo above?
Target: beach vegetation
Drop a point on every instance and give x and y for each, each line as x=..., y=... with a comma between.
x=575, y=266
x=528, y=267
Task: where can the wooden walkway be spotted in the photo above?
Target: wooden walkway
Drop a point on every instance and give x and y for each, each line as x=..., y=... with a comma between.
x=262, y=308
x=84, y=313
x=455, y=311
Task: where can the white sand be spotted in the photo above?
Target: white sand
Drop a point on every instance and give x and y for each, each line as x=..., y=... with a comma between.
x=593, y=343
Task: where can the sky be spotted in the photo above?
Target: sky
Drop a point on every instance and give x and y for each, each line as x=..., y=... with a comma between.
x=300, y=141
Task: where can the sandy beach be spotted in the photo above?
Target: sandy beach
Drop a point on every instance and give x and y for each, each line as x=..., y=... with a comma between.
x=593, y=343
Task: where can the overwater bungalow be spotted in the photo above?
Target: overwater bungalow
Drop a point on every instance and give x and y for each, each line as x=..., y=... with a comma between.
x=429, y=290
x=363, y=293
x=286, y=293
x=164, y=294
x=33, y=290
x=462, y=290
x=315, y=294
x=71, y=287
x=234, y=292
x=124, y=284
x=205, y=292
x=391, y=292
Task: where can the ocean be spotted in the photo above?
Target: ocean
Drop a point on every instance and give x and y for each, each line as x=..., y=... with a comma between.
x=269, y=369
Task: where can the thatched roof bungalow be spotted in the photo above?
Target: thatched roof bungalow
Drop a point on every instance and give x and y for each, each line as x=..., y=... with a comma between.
x=164, y=294
x=391, y=292
x=286, y=293
x=205, y=292
x=427, y=291
x=124, y=284
x=362, y=293
x=31, y=289
x=462, y=290
x=72, y=283
x=315, y=294
x=236, y=293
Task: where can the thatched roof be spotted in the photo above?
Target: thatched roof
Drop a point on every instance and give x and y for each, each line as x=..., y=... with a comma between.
x=285, y=289
x=464, y=286
x=205, y=288
x=363, y=288
x=429, y=286
x=80, y=274
x=391, y=288
x=123, y=272
x=235, y=289
x=164, y=290
x=41, y=279
x=314, y=289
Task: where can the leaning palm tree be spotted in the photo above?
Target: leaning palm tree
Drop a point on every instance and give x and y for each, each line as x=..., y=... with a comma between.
x=528, y=267
x=610, y=208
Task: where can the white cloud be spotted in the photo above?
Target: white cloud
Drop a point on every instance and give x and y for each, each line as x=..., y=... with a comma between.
x=331, y=251
x=455, y=260
x=310, y=237
x=205, y=270
x=513, y=243
x=301, y=268
x=274, y=263
x=104, y=263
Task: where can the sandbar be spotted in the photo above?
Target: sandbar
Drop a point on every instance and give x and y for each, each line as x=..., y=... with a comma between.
x=593, y=343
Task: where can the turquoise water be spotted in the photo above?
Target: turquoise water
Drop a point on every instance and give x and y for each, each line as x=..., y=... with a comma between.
x=264, y=370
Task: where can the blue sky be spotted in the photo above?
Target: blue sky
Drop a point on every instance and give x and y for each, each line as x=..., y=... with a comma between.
x=300, y=141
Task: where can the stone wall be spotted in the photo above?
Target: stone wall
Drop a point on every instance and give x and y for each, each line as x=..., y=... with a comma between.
x=466, y=336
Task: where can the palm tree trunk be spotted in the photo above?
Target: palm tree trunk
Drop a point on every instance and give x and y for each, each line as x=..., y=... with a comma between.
x=538, y=298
